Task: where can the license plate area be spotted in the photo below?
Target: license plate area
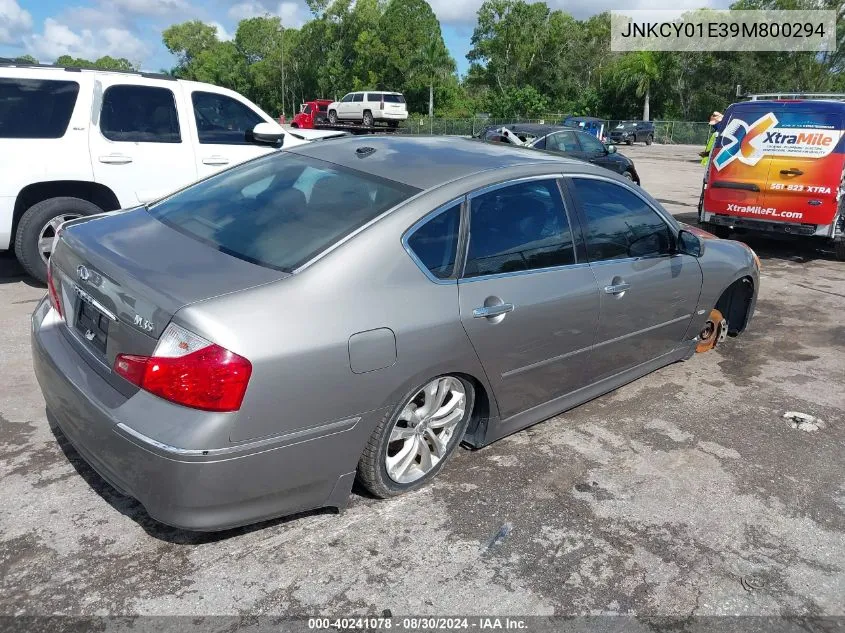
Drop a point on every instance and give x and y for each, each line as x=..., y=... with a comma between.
x=92, y=325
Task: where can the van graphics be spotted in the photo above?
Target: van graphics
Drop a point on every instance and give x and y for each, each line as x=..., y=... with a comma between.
x=750, y=143
x=764, y=211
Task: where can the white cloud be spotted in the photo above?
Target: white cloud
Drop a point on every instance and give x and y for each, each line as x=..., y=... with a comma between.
x=288, y=11
x=222, y=34
x=14, y=22
x=148, y=7
x=465, y=11
x=59, y=39
x=245, y=10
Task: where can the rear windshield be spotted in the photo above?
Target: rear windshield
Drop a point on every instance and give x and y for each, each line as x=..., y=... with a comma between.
x=34, y=108
x=394, y=99
x=279, y=211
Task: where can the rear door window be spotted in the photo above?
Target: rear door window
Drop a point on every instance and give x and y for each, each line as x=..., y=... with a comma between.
x=435, y=243
x=35, y=108
x=519, y=227
x=223, y=120
x=281, y=210
x=139, y=114
x=358, y=97
x=563, y=142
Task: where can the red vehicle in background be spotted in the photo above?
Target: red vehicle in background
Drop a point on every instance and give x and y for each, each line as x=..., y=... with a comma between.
x=778, y=167
x=311, y=114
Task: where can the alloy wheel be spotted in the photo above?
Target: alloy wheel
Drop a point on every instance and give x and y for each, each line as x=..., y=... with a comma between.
x=422, y=433
x=49, y=231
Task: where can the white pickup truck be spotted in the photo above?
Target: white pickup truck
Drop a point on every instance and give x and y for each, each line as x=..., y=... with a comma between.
x=78, y=142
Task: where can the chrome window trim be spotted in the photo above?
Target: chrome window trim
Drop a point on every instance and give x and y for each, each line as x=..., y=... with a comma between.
x=459, y=201
x=512, y=181
x=663, y=215
x=517, y=273
x=555, y=179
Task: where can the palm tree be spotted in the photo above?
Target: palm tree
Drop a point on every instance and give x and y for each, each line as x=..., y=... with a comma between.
x=433, y=63
x=639, y=70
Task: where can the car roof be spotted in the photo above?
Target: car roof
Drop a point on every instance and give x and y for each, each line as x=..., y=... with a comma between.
x=426, y=162
x=813, y=103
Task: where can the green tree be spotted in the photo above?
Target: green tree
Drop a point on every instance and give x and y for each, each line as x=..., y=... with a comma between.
x=188, y=40
x=640, y=71
x=26, y=59
x=103, y=63
x=433, y=64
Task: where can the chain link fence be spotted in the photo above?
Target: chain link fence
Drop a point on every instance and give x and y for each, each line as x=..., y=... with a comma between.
x=667, y=132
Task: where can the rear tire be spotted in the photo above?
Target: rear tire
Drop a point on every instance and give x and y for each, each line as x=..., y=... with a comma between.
x=627, y=175
x=649, y=139
x=368, y=120
x=33, y=238
x=400, y=455
x=629, y=141
x=333, y=117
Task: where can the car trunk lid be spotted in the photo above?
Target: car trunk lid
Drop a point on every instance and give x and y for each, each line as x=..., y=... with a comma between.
x=122, y=277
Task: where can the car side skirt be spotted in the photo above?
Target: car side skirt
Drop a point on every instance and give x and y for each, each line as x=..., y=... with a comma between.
x=489, y=431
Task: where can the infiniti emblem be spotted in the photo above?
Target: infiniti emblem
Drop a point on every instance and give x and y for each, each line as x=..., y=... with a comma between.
x=83, y=273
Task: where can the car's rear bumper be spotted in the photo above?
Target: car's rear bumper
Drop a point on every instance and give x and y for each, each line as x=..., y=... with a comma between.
x=193, y=489
x=385, y=115
x=771, y=228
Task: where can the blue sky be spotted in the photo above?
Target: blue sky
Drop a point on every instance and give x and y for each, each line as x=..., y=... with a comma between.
x=132, y=28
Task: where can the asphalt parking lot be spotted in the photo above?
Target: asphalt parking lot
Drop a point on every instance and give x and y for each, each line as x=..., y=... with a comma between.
x=684, y=493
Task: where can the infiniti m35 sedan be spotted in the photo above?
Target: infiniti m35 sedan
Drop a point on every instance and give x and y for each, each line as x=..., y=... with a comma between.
x=249, y=346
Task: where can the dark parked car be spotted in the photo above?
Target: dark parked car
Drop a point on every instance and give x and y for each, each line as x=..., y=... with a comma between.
x=567, y=141
x=630, y=132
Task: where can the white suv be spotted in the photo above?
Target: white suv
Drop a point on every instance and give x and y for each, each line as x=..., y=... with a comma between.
x=369, y=107
x=75, y=143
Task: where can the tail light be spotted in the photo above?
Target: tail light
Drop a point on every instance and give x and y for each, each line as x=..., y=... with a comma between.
x=188, y=370
x=55, y=301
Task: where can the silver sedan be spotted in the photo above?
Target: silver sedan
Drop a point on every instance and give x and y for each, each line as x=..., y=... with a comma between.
x=249, y=346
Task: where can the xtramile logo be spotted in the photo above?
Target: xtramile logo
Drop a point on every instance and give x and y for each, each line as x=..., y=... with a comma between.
x=750, y=143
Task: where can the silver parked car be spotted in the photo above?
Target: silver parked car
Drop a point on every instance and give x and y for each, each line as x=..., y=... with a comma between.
x=250, y=345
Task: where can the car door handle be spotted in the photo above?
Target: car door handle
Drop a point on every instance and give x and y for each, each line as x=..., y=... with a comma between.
x=215, y=160
x=617, y=289
x=115, y=159
x=791, y=172
x=485, y=312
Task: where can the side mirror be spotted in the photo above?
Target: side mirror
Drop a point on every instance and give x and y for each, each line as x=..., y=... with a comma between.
x=689, y=244
x=611, y=149
x=270, y=133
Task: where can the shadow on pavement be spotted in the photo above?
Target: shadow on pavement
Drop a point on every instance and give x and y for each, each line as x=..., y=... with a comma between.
x=11, y=271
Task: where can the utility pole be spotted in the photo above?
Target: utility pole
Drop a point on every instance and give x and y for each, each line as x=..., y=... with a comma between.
x=282, y=40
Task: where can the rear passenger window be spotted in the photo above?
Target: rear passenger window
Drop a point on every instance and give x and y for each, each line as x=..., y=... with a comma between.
x=620, y=224
x=223, y=120
x=435, y=243
x=519, y=227
x=32, y=108
x=139, y=114
x=358, y=97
